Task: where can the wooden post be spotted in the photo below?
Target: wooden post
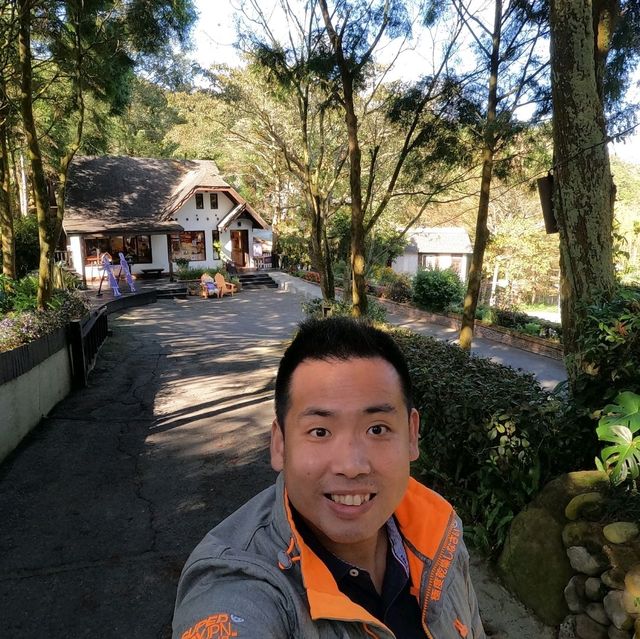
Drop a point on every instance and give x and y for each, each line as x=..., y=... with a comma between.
x=169, y=256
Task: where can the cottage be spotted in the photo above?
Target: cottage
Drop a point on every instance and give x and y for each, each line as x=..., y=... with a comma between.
x=442, y=248
x=156, y=211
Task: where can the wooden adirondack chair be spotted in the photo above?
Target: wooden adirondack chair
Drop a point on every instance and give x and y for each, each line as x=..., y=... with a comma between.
x=225, y=288
x=208, y=286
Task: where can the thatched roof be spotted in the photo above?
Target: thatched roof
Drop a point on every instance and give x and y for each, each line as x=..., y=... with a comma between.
x=118, y=194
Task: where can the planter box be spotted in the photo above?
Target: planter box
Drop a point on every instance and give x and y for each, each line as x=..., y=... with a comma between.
x=490, y=331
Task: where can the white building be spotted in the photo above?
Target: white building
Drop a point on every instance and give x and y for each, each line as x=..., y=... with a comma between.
x=156, y=211
x=442, y=248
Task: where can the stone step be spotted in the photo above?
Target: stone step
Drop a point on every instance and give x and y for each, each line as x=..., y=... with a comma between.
x=178, y=292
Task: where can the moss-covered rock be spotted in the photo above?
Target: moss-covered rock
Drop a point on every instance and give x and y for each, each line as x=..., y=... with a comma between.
x=583, y=533
x=558, y=493
x=587, y=505
x=534, y=564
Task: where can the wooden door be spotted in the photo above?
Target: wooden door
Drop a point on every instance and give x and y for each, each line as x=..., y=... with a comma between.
x=239, y=247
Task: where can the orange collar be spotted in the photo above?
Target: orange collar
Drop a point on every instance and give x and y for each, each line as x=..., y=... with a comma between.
x=423, y=518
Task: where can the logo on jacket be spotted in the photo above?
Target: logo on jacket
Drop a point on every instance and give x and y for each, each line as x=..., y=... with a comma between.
x=218, y=626
x=443, y=563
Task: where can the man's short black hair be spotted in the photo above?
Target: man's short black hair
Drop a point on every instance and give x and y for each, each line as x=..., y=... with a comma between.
x=338, y=338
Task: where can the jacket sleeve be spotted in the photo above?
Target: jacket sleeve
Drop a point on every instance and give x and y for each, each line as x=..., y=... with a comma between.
x=227, y=600
x=477, y=631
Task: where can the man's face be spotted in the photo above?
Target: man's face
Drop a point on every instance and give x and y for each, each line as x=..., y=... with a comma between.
x=346, y=450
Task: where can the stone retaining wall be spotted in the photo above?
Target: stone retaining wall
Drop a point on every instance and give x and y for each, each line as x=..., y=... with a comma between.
x=495, y=333
x=33, y=379
x=570, y=565
x=604, y=594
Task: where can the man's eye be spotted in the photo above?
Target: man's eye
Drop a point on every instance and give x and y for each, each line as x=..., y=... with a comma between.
x=378, y=429
x=319, y=432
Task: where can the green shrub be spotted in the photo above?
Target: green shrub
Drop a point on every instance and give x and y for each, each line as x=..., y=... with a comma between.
x=320, y=308
x=489, y=438
x=27, y=248
x=609, y=341
x=400, y=290
x=532, y=328
x=18, y=328
x=435, y=290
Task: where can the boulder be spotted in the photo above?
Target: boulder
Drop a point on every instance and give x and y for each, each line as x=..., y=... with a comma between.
x=614, y=606
x=592, y=564
x=555, y=496
x=584, y=533
x=613, y=579
x=632, y=580
x=587, y=628
x=534, y=564
x=621, y=532
x=574, y=593
x=621, y=556
x=594, y=589
x=597, y=612
x=614, y=633
x=567, y=629
x=586, y=506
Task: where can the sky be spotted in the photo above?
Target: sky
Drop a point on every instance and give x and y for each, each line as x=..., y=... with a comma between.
x=214, y=36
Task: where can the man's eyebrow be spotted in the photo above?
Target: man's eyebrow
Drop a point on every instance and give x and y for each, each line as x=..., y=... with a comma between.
x=315, y=411
x=380, y=408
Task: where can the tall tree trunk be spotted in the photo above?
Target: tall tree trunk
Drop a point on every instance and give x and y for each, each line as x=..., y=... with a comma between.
x=40, y=194
x=357, y=259
x=320, y=255
x=358, y=284
x=583, y=186
x=482, y=231
x=6, y=208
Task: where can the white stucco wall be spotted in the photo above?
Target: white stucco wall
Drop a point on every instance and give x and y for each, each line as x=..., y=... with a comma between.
x=207, y=220
x=406, y=263
x=25, y=400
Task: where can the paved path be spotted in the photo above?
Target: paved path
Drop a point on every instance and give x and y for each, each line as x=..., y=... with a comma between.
x=549, y=372
x=103, y=503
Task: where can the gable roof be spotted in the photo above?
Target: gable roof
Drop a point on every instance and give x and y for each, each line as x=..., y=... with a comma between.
x=119, y=194
x=453, y=239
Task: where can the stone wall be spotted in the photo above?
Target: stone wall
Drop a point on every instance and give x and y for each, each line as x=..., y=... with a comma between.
x=603, y=596
x=571, y=567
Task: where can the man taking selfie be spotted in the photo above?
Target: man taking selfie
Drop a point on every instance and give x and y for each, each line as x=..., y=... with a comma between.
x=345, y=544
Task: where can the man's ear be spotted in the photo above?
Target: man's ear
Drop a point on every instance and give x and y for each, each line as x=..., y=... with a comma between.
x=277, y=447
x=414, y=434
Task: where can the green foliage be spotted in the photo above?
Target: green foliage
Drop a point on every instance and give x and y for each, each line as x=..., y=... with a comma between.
x=532, y=328
x=27, y=248
x=319, y=308
x=435, y=290
x=618, y=424
x=490, y=438
x=21, y=327
x=293, y=249
x=400, y=290
x=609, y=347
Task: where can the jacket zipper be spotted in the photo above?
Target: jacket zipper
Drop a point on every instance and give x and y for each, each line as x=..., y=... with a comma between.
x=445, y=537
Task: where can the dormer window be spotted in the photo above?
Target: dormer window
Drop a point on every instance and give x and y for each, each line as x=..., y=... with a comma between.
x=213, y=199
x=199, y=201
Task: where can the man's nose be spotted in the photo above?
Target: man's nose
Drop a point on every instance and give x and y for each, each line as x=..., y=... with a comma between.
x=351, y=458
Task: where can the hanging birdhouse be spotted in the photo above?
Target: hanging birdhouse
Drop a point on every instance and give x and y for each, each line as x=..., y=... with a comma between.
x=545, y=191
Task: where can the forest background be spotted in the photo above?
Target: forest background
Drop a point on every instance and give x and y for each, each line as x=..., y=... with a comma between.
x=216, y=101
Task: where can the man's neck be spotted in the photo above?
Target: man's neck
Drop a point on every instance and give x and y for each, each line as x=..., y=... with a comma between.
x=370, y=556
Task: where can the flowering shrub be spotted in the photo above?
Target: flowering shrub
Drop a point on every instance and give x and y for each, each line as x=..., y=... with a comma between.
x=18, y=328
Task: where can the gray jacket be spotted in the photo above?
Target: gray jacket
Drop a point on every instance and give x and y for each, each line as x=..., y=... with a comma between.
x=252, y=576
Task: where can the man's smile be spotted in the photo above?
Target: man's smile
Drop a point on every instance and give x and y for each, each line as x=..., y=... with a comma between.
x=350, y=499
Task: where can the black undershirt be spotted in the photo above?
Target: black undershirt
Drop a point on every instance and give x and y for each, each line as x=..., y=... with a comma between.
x=395, y=607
